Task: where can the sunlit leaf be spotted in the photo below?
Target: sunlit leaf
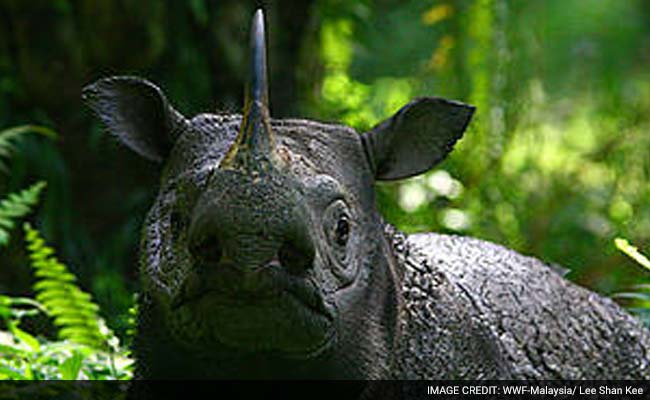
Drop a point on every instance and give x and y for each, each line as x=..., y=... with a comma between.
x=632, y=252
x=25, y=337
x=70, y=368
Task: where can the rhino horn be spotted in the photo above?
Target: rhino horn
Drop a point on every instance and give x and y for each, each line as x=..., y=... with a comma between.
x=255, y=142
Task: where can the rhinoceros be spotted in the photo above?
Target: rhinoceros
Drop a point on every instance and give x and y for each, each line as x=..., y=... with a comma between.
x=264, y=256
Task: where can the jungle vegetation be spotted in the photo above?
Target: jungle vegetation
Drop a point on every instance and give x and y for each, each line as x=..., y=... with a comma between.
x=555, y=164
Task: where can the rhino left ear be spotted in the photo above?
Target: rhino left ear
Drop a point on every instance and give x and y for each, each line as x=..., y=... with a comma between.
x=136, y=112
x=416, y=138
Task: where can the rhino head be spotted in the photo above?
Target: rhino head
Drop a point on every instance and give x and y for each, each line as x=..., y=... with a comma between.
x=264, y=243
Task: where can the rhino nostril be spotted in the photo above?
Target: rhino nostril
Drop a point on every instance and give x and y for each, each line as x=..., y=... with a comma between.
x=293, y=259
x=207, y=250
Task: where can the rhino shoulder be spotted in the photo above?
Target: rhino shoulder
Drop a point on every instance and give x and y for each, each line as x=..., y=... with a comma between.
x=440, y=328
x=547, y=326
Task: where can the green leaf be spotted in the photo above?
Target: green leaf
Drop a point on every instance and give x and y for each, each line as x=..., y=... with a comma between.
x=73, y=310
x=5, y=350
x=29, y=372
x=12, y=133
x=8, y=136
x=632, y=296
x=23, y=301
x=25, y=337
x=9, y=373
x=17, y=205
x=70, y=368
x=632, y=252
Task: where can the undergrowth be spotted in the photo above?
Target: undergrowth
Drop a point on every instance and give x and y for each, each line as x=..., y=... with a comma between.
x=85, y=347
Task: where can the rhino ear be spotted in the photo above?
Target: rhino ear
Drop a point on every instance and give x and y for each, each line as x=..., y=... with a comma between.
x=416, y=138
x=137, y=113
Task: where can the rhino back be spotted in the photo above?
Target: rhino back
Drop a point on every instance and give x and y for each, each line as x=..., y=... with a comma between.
x=530, y=321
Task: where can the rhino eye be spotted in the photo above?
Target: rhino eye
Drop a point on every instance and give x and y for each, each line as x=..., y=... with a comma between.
x=342, y=230
x=338, y=226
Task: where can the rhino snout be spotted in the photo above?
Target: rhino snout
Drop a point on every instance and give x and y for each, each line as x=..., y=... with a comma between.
x=236, y=230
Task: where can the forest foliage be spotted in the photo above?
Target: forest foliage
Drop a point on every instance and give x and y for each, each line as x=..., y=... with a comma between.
x=555, y=163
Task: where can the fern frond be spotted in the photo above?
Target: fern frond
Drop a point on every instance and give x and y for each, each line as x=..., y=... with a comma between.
x=73, y=310
x=8, y=136
x=17, y=205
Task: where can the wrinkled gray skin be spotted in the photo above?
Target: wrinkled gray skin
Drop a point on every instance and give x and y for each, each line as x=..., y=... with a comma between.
x=264, y=256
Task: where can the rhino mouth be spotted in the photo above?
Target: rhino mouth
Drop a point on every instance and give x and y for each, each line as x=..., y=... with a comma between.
x=260, y=309
x=255, y=286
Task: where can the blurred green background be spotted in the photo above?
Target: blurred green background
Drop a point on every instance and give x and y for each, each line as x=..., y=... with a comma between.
x=555, y=163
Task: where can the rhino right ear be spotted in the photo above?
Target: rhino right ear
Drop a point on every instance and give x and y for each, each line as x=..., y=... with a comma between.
x=416, y=138
x=137, y=113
